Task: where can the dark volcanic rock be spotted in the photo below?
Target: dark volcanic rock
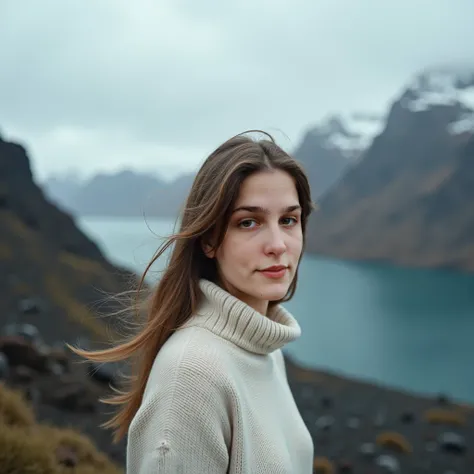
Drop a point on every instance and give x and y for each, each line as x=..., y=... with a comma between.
x=52, y=279
x=69, y=398
x=51, y=274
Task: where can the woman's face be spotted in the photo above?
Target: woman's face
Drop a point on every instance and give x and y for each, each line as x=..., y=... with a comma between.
x=264, y=231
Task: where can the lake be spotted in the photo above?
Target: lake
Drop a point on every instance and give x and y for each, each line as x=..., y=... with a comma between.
x=405, y=328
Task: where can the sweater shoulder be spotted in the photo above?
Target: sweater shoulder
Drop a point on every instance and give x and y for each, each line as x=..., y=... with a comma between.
x=191, y=355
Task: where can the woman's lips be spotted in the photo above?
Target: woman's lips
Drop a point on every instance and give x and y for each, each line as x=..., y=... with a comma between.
x=275, y=273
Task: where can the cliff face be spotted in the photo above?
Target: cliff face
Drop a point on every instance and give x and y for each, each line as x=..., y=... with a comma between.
x=51, y=274
x=331, y=148
x=408, y=199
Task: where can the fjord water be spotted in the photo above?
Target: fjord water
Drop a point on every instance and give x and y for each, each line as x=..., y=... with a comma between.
x=405, y=328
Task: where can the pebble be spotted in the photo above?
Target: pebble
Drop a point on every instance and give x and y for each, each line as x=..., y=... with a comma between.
x=452, y=442
x=324, y=422
x=353, y=423
x=388, y=462
x=368, y=450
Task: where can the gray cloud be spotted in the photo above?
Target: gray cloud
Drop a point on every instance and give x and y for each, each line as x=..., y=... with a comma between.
x=159, y=84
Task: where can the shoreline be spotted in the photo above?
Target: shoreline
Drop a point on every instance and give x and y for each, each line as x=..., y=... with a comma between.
x=316, y=373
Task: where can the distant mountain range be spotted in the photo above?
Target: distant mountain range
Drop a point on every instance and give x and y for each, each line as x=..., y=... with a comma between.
x=124, y=193
x=326, y=151
x=396, y=188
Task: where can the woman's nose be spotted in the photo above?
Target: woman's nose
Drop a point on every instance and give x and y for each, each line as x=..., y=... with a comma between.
x=275, y=242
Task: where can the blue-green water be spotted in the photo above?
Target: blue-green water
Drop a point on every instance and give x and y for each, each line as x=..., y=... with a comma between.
x=406, y=328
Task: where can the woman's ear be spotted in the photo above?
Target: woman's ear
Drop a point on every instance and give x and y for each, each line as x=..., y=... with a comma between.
x=208, y=249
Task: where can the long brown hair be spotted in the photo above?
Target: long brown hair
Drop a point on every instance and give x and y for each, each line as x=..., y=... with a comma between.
x=206, y=213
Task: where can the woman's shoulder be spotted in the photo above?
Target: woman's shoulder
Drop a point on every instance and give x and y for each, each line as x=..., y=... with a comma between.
x=193, y=355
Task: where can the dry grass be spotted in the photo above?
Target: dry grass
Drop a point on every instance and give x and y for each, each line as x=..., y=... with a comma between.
x=73, y=309
x=28, y=447
x=322, y=465
x=14, y=409
x=85, y=269
x=445, y=416
x=394, y=441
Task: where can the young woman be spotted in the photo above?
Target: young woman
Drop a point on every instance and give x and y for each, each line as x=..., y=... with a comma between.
x=209, y=393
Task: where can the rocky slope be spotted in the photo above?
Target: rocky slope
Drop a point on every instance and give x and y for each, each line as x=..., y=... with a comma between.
x=329, y=149
x=51, y=274
x=408, y=199
x=54, y=285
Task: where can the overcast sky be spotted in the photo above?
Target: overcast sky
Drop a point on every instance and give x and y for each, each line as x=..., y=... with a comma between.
x=96, y=85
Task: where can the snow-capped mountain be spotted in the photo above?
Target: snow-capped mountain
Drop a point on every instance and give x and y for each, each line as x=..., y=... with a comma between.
x=444, y=87
x=351, y=135
x=408, y=198
x=329, y=148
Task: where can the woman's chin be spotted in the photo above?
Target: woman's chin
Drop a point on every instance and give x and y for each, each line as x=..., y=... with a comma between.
x=275, y=291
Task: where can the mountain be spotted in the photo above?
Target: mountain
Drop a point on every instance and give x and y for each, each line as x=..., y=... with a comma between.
x=51, y=274
x=326, y=151
x=329, y=149
x=124, y=193
x=408, y=199
x=62, y=189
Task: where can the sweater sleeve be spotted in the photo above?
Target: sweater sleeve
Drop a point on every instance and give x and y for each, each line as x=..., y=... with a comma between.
x=183, y=425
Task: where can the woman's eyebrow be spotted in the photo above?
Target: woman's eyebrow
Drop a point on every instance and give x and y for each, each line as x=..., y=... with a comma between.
x=261, y=210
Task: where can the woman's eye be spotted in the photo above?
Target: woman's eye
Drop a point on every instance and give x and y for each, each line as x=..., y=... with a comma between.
x=289, y=221
x=247, y=223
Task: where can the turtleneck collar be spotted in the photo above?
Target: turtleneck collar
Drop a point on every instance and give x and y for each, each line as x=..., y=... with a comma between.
x=232, y=319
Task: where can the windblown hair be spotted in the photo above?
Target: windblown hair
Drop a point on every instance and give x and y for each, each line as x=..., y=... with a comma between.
x=205, y=215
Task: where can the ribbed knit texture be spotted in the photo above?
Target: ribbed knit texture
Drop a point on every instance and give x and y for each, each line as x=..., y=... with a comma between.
x=217, y=399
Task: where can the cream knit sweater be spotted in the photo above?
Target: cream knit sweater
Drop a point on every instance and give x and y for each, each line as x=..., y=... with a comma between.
x=217, y=399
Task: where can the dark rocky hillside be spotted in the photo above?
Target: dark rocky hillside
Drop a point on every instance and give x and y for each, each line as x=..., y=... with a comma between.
x=53, y=283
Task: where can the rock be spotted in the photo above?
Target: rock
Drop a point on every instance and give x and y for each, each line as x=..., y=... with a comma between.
x=324, y=423
x=326, y=402
x=20, y=352
x=55, y=368
x=380, y=417
x=33, y=395
x=452, y=442
x=28, y=332
x=73, y=398
x=368, y=450
x=345, y=467
x=59, y=357
x=4, y=367
x=22, y=374
x=431, y=446
x=30, y=306
x=353, y=422
x=407, y=417
x=388, y=462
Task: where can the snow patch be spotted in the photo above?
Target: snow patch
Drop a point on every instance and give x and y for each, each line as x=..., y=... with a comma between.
x=448, y=88
x=351, y=135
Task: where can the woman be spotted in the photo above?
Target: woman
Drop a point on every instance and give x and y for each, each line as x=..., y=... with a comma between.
x=209, y=392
